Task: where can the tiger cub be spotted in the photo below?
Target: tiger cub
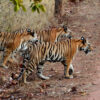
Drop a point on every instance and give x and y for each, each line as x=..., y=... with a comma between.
x=10, y=42
x=35, y=55
x=54, y=34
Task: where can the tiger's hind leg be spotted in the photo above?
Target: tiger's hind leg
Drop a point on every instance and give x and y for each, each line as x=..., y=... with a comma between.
x=40, y=72
x=24, y=77
x=5, y=58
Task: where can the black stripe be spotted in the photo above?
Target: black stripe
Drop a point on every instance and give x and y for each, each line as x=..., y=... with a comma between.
x=39, y=71
x=68, y=42
x=60, y=59
x=56, y=58
x=44, y=49
x=46, y=57
x=52, y=57
x=50, y=52
x=41, y=63
x=70, y=47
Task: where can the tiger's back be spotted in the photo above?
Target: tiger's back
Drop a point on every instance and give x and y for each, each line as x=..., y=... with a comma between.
x=54, y=34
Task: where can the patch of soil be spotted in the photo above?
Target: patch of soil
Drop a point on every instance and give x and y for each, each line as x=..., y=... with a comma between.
x=83, y=19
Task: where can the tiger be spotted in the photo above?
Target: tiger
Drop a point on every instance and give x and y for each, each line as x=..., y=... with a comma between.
x=35, y=55
x=54, y=34
x=11, y=42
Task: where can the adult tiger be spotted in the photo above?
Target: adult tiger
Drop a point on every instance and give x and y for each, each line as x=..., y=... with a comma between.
x=10, y=42
x=35, y=55
x=54, y=34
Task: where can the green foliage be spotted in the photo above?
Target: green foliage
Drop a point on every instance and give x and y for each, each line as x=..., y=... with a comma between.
x=35, y=5
x=18, y=4
x=38, y=1
x=42, y=8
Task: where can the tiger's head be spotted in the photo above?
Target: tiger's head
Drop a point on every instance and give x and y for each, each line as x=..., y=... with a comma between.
x=84, y=46
x=30, y=36
x=68, y=32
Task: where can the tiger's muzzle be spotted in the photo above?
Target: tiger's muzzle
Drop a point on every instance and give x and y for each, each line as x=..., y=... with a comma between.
x=87, y=49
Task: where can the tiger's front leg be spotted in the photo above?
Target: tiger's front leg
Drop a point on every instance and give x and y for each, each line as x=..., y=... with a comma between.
x=67, y=69
x=71, y=69
x=40, y=72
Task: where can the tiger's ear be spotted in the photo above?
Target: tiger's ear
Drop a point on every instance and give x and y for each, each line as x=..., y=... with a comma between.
x=30, y=32
x=83, y=40
x=65, y=28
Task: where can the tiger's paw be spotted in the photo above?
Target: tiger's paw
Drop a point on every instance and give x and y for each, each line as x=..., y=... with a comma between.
x=43, y=77
x=69, y=76
x=21, y=83
x=27, y=82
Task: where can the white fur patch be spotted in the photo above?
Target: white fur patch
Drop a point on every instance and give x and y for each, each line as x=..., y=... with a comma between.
x=42, y=76
x=71, y=67
x=24, y=46
x=35, y=38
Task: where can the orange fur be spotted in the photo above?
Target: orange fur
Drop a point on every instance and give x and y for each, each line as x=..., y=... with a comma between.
x=53, y=35
x=11, y=42
x=62, y=51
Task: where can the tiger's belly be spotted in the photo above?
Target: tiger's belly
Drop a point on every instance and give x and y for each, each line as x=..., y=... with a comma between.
x=55, y=59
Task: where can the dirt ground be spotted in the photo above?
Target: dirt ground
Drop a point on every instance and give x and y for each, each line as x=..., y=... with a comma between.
x=84, y=20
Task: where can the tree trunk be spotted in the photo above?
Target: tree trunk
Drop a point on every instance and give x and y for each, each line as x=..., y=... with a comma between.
x=59, y=8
